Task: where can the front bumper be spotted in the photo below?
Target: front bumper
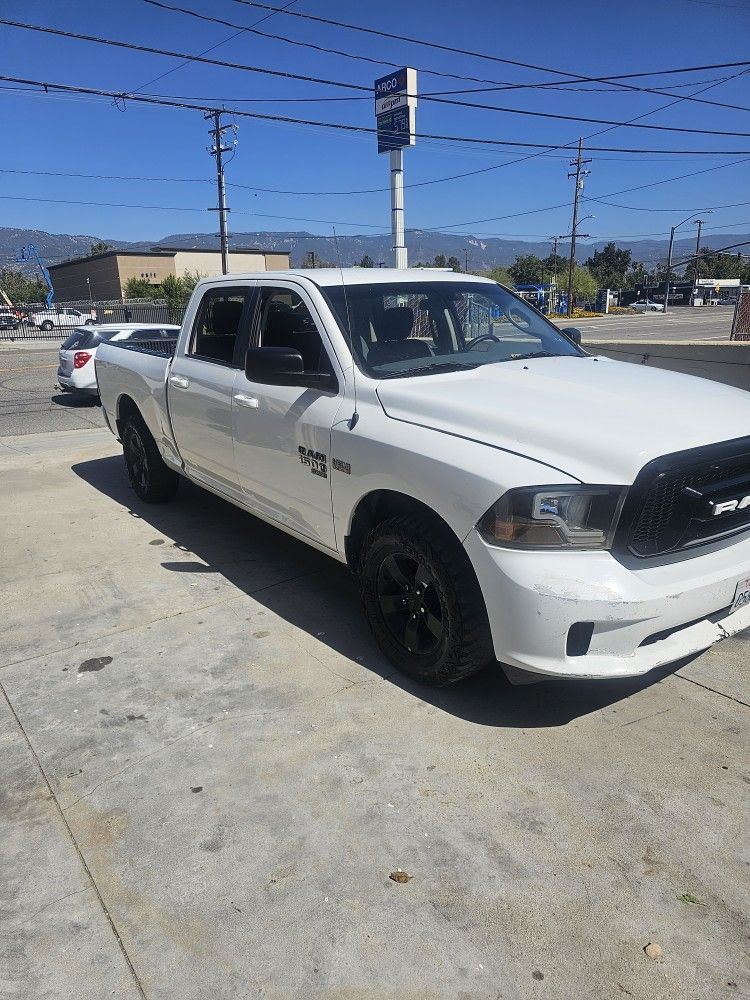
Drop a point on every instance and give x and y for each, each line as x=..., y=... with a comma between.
x=643, y=616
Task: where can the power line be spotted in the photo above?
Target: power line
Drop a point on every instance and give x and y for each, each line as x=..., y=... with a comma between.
x=211, y=48
x=577, y=78
x=286, y=74
x=498, y=85
x=363, y=129
x=150, y=50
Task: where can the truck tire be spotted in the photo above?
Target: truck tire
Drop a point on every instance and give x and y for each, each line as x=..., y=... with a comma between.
x=152, y=480
x=423, y=601
x=48, y=325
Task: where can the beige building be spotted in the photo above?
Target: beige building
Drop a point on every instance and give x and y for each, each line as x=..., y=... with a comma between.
x=105, y=276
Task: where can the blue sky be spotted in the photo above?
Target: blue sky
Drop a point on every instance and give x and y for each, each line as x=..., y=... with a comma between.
x=91, y=136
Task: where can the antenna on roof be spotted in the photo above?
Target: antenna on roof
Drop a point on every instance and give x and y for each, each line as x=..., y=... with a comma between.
x=354, y=419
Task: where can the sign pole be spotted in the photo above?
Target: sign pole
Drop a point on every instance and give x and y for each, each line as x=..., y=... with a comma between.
x=395, y=106
x=397, y=208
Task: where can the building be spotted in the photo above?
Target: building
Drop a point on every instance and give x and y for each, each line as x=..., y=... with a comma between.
x=104, y=277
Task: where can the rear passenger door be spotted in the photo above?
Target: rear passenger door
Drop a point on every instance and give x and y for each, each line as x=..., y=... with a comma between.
x=200, y=386
x=282, y=433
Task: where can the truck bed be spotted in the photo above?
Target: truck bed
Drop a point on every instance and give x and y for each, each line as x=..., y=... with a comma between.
x=138, y=372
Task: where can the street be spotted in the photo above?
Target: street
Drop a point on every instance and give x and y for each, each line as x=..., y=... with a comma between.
x=29, y=402
x=680, y=324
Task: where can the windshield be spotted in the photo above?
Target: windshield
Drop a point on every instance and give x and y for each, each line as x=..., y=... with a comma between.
x=424, y=327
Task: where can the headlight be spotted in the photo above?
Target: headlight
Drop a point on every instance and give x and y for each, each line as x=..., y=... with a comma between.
x=554, y=517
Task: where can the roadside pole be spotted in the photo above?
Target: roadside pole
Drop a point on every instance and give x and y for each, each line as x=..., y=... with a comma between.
x=395, y=106
x=579, y=173
x=217, y=149
x=669, y=268
x=397, y=207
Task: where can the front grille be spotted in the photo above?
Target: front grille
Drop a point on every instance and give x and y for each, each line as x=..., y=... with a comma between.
x=660, y=517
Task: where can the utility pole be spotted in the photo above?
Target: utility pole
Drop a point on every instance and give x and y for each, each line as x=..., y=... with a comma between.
x=553, y=282
x=579, y=173
x=217, y=148
x=466, y=260
x=699, y=224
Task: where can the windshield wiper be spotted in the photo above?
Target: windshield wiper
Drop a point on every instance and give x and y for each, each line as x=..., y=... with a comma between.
x=429, y=370
x=536, y=354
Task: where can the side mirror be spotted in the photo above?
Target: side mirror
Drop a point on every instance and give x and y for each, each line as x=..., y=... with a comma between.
x=572, y=333
x=284, y=366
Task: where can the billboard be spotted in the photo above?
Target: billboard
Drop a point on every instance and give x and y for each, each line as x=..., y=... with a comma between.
x=395, y=106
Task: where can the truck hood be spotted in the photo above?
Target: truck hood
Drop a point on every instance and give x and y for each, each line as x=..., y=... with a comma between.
x=597, y=420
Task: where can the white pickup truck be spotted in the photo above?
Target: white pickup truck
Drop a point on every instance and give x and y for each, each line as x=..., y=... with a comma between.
x=499, y=493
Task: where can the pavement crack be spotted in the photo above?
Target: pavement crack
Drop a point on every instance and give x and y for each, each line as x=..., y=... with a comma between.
x=76, y=847
x=52, y=902
x=729, y=697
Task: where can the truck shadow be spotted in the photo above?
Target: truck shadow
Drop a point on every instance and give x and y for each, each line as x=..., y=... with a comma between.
x=317, y=594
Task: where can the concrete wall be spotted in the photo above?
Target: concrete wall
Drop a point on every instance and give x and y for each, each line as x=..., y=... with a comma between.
x=150, y=267
x=208, y=265
x=70, y=280
x=726, y=362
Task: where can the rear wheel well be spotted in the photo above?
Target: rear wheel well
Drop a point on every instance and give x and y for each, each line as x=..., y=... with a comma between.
x=126, y=408
x=378, y=506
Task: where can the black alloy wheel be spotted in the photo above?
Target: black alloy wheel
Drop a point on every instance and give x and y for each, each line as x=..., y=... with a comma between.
x=152, y=480
x=423, y=601
x=136, y=460
x=410, y=604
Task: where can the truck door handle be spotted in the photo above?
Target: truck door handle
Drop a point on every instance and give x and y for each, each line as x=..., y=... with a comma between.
x=178, y=381
x=244, y=400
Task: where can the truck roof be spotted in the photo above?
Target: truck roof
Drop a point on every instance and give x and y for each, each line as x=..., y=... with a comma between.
x=325, y=276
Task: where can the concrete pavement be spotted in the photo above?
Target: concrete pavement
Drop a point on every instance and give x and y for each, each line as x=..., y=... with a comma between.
x=211, y=773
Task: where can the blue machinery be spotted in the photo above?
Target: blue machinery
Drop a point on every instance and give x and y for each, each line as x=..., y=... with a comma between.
x=30, y=253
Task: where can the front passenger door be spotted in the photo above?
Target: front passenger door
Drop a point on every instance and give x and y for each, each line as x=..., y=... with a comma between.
x=282, y=433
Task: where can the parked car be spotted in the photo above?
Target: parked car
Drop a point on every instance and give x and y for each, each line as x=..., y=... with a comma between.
x=48, y=319
x=498, y=492
x=9, y=320
x=644, y=305
x=77, y=374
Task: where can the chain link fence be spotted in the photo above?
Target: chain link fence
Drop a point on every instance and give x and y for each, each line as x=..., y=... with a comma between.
x=34, y=321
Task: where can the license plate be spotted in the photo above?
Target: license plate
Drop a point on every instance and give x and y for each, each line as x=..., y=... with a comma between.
x=742, y=595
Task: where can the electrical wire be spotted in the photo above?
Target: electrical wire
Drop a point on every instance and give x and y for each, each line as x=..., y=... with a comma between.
x=498, y=85
x=578, y=78
x=363, y=129
x=286, y=74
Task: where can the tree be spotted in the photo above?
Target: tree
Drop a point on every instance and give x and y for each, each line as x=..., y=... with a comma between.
x=526, y=270
x=99, y=247
x=19, y=288
x=585, y=285
x=499, y=274
x=555, y=264
x=454, y=263
x=609, y=266
x=366, y=261
x=141, y=288
x=440, y=260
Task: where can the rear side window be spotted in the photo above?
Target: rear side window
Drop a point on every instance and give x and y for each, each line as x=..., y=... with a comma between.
x=218, y=323
x=80, y=340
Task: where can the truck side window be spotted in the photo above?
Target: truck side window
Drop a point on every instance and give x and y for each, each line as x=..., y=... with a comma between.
x=217, y=324
x=285, y=321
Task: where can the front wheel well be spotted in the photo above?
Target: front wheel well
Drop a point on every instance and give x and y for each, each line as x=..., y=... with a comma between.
x=378, y=506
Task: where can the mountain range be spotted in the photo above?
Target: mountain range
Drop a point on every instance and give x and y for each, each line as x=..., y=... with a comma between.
x=483, y=253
